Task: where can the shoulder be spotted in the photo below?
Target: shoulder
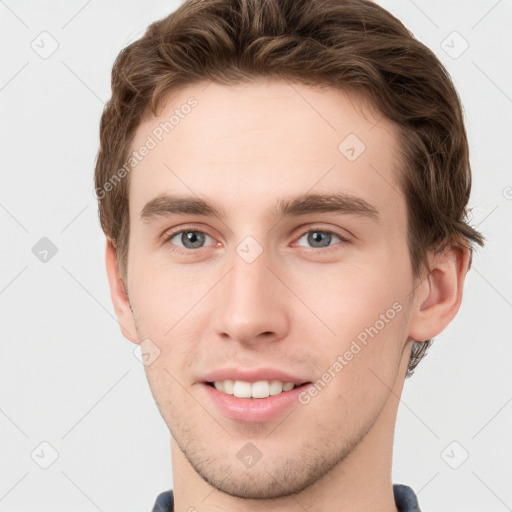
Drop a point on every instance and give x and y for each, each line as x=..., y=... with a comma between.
x=405, y=498
x=164, y=502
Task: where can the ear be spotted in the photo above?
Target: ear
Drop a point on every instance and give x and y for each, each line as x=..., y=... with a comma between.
x=439, y=295
x=119, y=295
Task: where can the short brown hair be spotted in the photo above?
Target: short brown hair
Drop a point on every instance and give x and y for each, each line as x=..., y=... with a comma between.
x=351, y=45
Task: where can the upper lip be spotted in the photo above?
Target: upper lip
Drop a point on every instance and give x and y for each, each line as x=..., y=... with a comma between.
x=252, y=375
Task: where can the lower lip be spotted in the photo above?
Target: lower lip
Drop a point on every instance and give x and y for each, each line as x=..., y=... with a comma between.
x=253, y=410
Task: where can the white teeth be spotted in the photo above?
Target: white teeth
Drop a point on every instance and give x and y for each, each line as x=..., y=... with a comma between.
x=260, y=389
x=276, y=387
x=242, y=389
x=228, y=386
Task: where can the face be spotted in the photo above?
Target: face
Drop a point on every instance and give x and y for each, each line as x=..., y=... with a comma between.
x=268, y=247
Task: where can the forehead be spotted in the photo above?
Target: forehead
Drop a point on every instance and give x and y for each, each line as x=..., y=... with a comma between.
x=254, y=142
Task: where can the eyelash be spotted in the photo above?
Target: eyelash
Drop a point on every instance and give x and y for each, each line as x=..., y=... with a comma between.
x=344, y=240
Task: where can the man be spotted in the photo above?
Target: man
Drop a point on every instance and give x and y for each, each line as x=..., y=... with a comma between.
x=283, y=186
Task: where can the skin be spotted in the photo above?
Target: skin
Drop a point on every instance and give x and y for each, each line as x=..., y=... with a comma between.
x=296, y=307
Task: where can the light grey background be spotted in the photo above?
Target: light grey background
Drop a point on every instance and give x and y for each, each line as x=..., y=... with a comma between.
x=69, y=378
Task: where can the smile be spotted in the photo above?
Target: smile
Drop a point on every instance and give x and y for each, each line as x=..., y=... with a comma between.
x=259, y=389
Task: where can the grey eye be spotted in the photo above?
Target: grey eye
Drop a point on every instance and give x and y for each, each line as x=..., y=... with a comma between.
x=190, y=239
x=319, y=238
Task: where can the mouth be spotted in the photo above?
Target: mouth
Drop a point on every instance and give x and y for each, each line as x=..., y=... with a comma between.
x=252, y=395
x=253, y=402
x=259, y=389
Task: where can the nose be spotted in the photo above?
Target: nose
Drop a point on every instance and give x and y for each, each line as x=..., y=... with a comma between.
x=252, y=302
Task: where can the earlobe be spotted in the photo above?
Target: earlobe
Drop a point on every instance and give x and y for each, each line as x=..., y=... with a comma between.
x=440, y=294
x=119, y=295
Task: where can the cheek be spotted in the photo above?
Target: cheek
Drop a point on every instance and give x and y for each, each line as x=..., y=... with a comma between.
x=364, y=309
x=358, y=368
x=175, y=403
x=350, y=298
x=345, y=297
x=164, y=296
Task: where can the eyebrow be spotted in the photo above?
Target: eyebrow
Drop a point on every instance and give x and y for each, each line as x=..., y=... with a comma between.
x=166, y=205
